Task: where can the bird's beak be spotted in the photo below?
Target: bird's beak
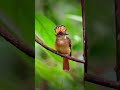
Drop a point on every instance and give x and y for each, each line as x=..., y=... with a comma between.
x=66, y=34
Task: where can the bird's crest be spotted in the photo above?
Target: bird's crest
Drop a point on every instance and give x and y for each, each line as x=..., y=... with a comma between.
x=61, y=29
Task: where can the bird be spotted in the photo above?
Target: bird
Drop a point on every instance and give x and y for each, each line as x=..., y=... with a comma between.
x=63, y=44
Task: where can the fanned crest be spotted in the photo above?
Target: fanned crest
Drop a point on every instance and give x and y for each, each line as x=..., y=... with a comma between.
x=61, y=29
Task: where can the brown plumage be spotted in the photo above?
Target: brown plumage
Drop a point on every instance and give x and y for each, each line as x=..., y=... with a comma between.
x=63, y=45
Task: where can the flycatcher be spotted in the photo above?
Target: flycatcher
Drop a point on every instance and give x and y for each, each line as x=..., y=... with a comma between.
x=63, y=44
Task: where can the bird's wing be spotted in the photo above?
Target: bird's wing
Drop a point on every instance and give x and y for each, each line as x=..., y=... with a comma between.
x=70, y=45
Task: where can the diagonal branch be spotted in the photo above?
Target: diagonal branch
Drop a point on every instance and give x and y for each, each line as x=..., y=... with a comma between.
x=24, y=48
x=88, y=77
x=16, y=42
x=48, y=48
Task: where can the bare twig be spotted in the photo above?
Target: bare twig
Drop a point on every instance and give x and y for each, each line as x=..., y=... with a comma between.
x=117, y=14
x=84, y=35
x=16, y=42
x=54, y=51
x=88, y=77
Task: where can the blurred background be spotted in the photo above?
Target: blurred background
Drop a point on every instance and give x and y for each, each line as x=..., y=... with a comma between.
x=17, y=68
x=49, y=74
x=100, y=27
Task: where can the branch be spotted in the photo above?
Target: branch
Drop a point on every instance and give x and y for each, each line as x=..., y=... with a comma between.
x=54, y=51
x=88, y=77
x=117, y=17
x=102, y=81
x=16, y=42
x=84, y=35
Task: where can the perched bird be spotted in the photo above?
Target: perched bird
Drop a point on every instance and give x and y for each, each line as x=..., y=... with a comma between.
x=63, y=44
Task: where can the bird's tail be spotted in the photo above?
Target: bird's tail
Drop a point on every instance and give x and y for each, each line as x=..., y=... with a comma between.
x=66, y=64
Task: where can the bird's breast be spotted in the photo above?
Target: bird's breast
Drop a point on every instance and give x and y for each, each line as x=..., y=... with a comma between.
x=62, y=46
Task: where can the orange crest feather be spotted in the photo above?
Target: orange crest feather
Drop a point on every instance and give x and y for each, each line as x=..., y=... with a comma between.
x=60, y=29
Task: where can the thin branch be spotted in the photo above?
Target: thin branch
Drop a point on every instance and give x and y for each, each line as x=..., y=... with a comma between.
x=102, y=81
x=117, y=17
x=84, y=35
x=16, y=42
x=54, y=51
x=88, y=77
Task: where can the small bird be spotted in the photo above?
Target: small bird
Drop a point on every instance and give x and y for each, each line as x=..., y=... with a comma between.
x=63, y=44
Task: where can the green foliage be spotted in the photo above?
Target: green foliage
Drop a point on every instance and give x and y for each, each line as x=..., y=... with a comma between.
x=44, y=30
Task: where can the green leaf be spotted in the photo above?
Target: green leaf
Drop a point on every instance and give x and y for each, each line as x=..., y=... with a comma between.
x=44, y=29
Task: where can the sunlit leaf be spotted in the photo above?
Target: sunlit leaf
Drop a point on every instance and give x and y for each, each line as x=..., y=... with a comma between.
x=44, y=29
